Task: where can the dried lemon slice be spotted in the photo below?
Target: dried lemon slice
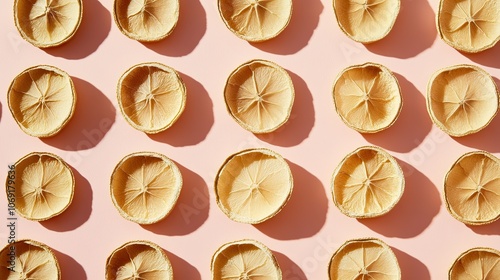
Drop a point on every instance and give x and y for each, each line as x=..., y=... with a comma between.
x=367, y=183
x=367, y=97
x=469, y=25
x=47, y=23
x=476, y=263
x=146, y=20
x=259, y=96
x=151, y=96
x=256, y=20
x=472, y=188
x=366, y=258
x=28, y=259
x=366, y=21
x=143, y=260
x=253, y=185
x=44, y=186
x=42, y=100
x=145, y=187
x=462, y=99
x=245, y=259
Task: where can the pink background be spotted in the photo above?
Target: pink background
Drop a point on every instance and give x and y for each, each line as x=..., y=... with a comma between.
x=425, y=238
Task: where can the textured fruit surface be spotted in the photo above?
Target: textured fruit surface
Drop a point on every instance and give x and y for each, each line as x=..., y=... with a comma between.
x=364, y=259
x=253, y=185
x=259, y=95
x=462, y=99
x=42, y=100
x=472, y=188
x=145, y=187
x=245, y=259
x=142, y=260
x=469, y=25
x=256, y=20
x=476, y=263
x=146, y=20
x=366, y=21
x=47, y=23
x=33, y=260
x=151, y=96
x=367, y=183
x=367, y=97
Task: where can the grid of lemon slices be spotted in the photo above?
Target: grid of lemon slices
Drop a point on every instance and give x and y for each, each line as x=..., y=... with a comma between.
x=254, y=185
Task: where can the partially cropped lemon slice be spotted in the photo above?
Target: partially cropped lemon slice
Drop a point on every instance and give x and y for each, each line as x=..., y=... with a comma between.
x=256, y=20
x=146, y=20
x=253, y=185
x=476, y=263
x=367, y=183
x=259, y=95
x=462, y=99
x=367, y=97
x=469, y=25
x=47, y=23
x=145, y=187
x=44, y=186
x=142, y=260
x=366, y=21
x=42, y=100
x=28, y=259
x=151, y=96
x=472, y=188
x=245, y=259
x=366, y=258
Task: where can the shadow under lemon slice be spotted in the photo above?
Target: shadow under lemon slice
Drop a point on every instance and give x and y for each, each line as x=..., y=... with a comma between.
x=470, y=25
x=141, y=259
x=462, y=99
x=245, y=259
x=44, y=186
x=145, y=187
x=47, y=23
x=151, y=96
x=367, y=183
x=472, y=188
x=42, y=100
x=367, y=97
x=146, y=20
x=366, y=21
x=256, y=20
x=253, y=185
x=366, y=258
x=32, y=260
x=476, y=263
x=259, y=96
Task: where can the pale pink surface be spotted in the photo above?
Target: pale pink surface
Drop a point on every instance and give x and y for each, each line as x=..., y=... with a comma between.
x=425, y=238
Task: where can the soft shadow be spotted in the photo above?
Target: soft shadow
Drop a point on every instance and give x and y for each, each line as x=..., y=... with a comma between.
x=486, y=139
x=412, y=125
x=418, y=188
x=94, y=28
x=289, y=269
x=305, y=212
x=70, y=268
x=93, y=117
x=488, y=57
x=488, y=229
x=191, y=209
x=413, y=32
x=78, y=211
x=181, y=268
x=195, y=122
x=191, y=27
x=296, y=36
x=411, y=268
x=301, y=120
